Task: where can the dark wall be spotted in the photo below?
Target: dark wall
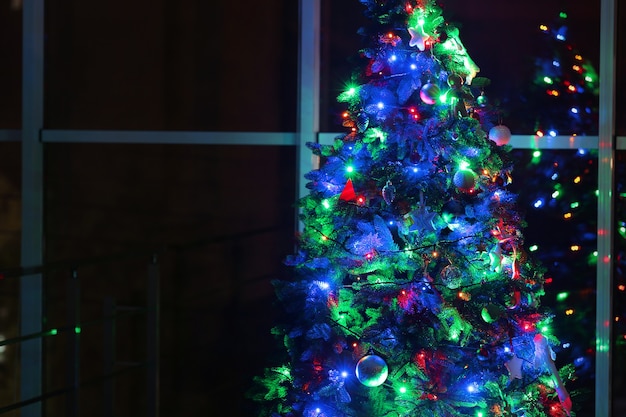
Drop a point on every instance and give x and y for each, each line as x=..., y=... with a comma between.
x=225, y=216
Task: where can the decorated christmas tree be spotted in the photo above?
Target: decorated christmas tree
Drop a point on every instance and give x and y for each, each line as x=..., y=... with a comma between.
x=413, y=293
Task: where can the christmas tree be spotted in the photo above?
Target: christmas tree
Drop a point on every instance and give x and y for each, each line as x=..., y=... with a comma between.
x=413, y=293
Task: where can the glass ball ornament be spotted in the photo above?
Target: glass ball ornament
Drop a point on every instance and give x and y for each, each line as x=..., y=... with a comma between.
x=500, y=134
x=429, y=93
x=482, y=100
x=372, y=370
x=452, y=277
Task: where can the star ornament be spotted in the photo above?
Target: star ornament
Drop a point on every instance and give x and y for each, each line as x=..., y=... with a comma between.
x=514, y=366
x=418, y=37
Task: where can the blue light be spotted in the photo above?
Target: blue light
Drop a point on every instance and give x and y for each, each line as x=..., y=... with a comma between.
x=381, y=105
x=556, y=63
x=538, y=203
x=553, y=133
x=582, y=152
x=574, y=110
x=413, y=67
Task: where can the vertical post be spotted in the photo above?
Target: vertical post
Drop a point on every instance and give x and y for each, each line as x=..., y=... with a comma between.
x=308, y=91
x=73, y=348
x=31, y=286
x=108, y=356
x=606, y=174
x=152, y=327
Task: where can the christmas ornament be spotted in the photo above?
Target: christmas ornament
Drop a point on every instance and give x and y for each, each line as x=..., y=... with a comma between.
x=372, y=370
x=429, y=93
x=514, y=366
x=418, y=37
x=389, y=193
x=514, y=300
x=482, y=100
x=491, y=313
x=451, y=277
x=500, y=134
x=348, y=193
x=544, y=360
x=482, y=354
x=465, y=180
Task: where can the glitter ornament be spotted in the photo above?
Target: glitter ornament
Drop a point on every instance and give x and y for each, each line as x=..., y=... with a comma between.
x=500, y=134
x=389, y=192
x=465, y=180
x=429, y=93
x=372, y=370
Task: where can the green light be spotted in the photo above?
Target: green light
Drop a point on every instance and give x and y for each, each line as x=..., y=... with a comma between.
x=563, y=15
x=52, y=332
x=588, y=79
x=480, y=414
x=463, y=165
x=545, y=329
x=562, y=296
x=575, y=204
x=556, y=194
x=597, y=193
x=77, y=330
x=350, y=168
x=536, y=154
x=402, y=390
x=548, y=80
x=326, y=204
x=533, y=248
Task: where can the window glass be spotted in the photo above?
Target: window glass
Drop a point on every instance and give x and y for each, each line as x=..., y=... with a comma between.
x=171, y=65
x=543, y=78
x=619, y=290
x=11, y=68
x=557, y=194
x=620, y=98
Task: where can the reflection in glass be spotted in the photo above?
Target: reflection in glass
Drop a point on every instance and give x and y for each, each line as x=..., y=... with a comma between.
x=557, y=189
x=11, y=68
x=619, y=289
x=168, y=65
